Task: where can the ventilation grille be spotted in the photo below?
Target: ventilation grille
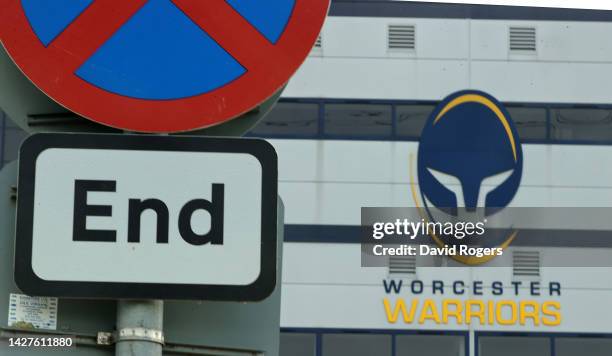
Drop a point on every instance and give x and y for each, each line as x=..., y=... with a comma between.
x=526, y=264
x=318, y=43
x=402, y=265
x=317, y=49
x=523, y=39
x=401, y=37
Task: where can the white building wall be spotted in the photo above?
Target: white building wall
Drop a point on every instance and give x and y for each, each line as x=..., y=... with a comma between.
x=327, y=182
x=573, y=62
x=333, y=291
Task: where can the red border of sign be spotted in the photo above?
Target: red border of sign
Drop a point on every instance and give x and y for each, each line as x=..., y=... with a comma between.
x=52, y=68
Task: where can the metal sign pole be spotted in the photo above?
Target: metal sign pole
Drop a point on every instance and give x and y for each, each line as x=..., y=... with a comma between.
x=139, y=328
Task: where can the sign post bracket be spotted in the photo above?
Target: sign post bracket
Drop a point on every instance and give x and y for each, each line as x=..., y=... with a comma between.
x=135, y=315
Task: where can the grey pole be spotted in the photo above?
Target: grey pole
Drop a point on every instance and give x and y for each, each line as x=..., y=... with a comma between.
x=140, y=325
x=139, y=328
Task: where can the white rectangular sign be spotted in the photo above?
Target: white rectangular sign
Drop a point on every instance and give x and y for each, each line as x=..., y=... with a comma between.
x=146, y=216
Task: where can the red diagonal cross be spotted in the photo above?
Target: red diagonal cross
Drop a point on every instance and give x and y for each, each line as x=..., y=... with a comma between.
x=268, y=65
x=235, y=34
x=217, y=18
x=87, y=33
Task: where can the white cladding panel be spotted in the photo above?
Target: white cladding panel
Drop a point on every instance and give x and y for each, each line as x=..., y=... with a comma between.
x=327, y=182
x=572, y=63
x=335, y=292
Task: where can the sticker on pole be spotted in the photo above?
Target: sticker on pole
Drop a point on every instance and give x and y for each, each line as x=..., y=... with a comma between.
x=160, y=65
x=32, y=312
x=148, y=217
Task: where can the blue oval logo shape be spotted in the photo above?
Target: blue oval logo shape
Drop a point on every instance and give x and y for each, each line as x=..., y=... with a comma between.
x=469, y=136
x=469, y=157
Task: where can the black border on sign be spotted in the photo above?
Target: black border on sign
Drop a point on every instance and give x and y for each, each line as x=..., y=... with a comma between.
x=31, y=284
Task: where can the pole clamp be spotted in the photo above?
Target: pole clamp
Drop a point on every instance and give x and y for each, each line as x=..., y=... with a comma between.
x=131, y=334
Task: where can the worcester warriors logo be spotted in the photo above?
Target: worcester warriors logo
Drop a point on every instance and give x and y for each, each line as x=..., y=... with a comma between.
x=469, y=157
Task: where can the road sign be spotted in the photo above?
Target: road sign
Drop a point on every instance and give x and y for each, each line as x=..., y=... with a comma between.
x=123, y=216
x=160, y=65
x=190, y=327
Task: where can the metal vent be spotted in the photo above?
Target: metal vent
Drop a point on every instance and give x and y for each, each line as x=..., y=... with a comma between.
x=402, y=265
x=522, y=39
x=318, y=43
x=526, y=264
x=401, y=37
x=317, y=49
